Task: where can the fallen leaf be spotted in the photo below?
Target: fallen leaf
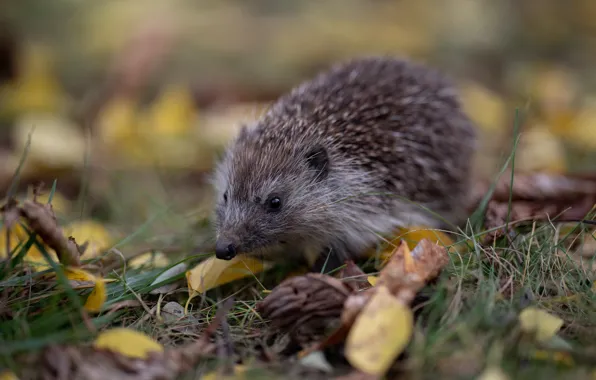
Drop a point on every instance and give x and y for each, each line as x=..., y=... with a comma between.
x=127, y=342
x=380, y=333
x=98, y=296
x=486, y=108
x=8, y=375
x=36, y=89
x=413, y=235
x=539, y=150
x=559, y=357
x=173, y=113
x=493, y=373
x=150, y=259
x=94, y=234
x=407, y=271
x=539, y=322
x=116, y=122
x=56, y=143
x=372, y=280
x=59, y=203
x=42, y=220
x=238, y=369
x=213, y=272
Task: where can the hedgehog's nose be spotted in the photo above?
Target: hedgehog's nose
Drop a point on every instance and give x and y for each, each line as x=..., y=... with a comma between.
x=225, y=250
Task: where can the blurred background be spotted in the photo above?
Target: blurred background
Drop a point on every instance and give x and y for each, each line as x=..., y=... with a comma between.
x=128, y=103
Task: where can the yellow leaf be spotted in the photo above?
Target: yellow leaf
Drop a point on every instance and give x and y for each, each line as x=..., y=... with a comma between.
x=214, y=375
x=56, y=143
x=155, y=260
x=413, y=235
x=8, y=375
x=13, y=240
x=372, y=280
x=117, y=121
x=582, y=134
x=59, y=204
x=78, y=274
x=543, y=324
x=559, y=357
x=380, y=333
x=98, y=296
x=409, y=264
x=127, y=342
x=34, y=257
x=94, y=233
x=173, y=113
x=486, y=108
x=36, y=89
x=540, y=150
x=213, y=272
x=493, y=373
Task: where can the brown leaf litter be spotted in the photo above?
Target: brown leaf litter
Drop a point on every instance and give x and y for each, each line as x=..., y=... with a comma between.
x=535, y=197
x=41, y=218
x=84, y=362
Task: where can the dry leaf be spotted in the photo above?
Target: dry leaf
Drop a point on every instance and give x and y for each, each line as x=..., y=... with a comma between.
x=213, y=272
x=42, y=220
x=372, y=280
x=413, y=235
x=238, y=373
x=380, y=333
x=98, y=296
x=55, y=142
x=407, y=271
x=8, y=375
x=493, y=373
x=539, y=322
x=535, y=196
x=172, y=113
x=151, y=259
x=127, y=342
x=559, y=357
x=539, y=150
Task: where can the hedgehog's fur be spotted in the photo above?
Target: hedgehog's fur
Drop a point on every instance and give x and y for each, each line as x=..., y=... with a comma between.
x=345, y=152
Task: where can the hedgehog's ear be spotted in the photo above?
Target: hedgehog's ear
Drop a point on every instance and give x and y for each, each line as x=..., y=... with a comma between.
x=318, y=160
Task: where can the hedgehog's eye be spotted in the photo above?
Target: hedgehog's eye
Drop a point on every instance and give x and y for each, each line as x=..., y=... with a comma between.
x=274, y=204
x=225, y=197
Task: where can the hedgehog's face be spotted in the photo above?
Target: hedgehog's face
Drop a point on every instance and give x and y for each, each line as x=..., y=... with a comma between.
x=265, y=198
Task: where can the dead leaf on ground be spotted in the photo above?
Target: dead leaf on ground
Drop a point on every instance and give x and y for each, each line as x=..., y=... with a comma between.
x=540, y=323
x=535, y=197
x=42, y=220
x=212, y=272
x=380, y=333
x=127, y=354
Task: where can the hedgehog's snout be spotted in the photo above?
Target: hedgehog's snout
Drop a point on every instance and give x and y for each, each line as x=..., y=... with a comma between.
x=225, y=249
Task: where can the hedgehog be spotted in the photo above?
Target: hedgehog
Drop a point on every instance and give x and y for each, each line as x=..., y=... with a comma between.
x=370, y=145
